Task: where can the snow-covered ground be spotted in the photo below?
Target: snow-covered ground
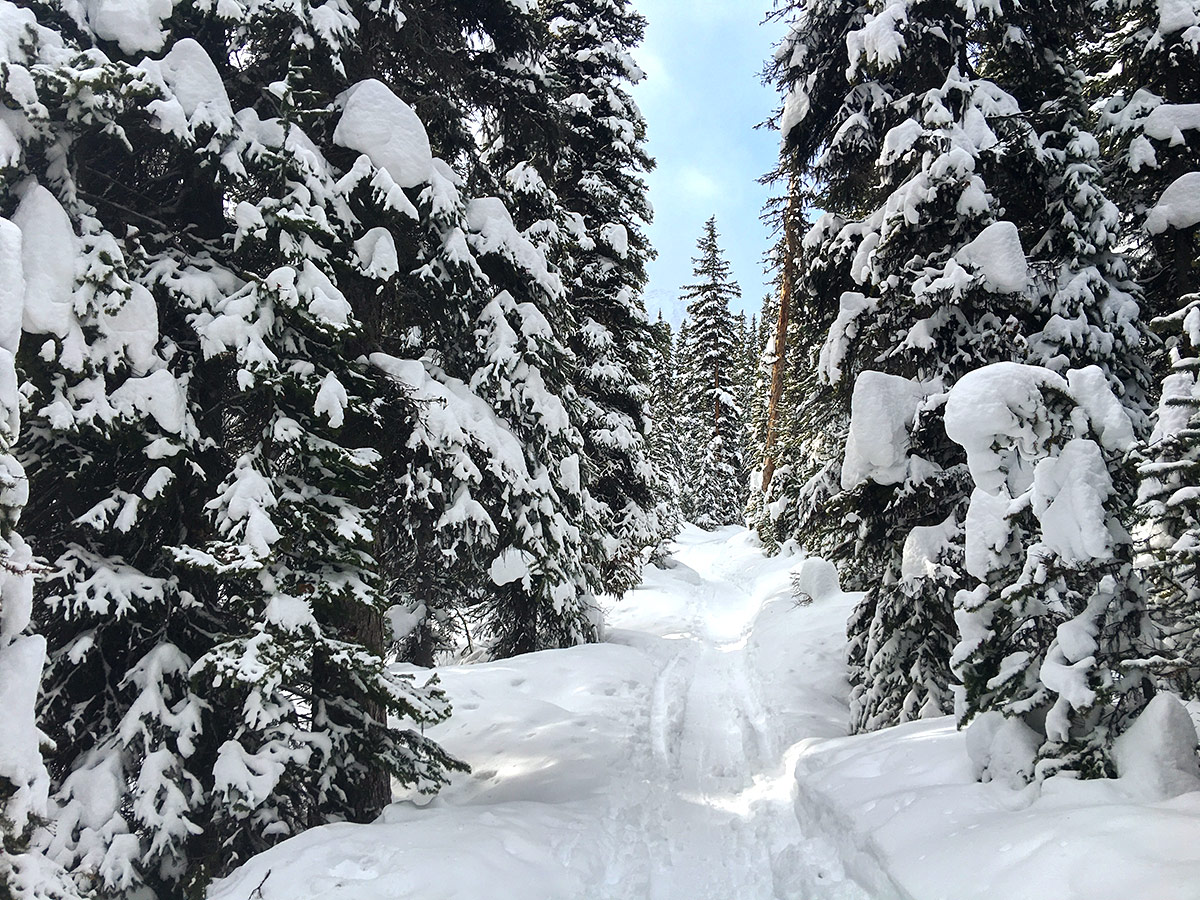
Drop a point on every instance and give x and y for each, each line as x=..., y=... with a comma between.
x=700, y=752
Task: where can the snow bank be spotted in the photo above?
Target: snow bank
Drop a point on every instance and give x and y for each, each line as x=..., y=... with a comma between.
x=907, y=797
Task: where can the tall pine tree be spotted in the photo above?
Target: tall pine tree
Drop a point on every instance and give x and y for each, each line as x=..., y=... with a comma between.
x=957, y=144
x=710, y=366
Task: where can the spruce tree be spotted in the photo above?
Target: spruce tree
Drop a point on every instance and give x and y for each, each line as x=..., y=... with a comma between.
x=970, y=164
x=1149, y=57
x=1054, y=633
x=598, y=176
x=112, y=446
x=713, y=424
x=1087, y=330
x=1167, y=492
x=665, y=445
x=201, y=404
x=1150, y=60
x=25, y=871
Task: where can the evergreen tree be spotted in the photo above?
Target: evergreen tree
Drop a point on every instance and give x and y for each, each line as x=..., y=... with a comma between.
x=228, y=459
x=598, y=177
x=1148, y=54
x=1167, y=492
x=112, y=446
x=1054, y=633
x=665, y=445
x=970, y=163
x=25, y=872
x=713, y=489
x=1150, y=62
x=802, y=427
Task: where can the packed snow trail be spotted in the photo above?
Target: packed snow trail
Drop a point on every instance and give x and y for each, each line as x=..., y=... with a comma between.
x=659, y=764
x=722, y=792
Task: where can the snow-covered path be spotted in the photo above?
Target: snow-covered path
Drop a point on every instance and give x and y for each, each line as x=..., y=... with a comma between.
x=658, y=764
x=720, y=786
x=699, y=753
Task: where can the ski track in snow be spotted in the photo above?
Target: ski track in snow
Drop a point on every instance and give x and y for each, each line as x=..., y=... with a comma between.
x=718, y=820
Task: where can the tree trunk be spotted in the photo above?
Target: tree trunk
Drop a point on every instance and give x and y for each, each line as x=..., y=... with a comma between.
x=367, y=796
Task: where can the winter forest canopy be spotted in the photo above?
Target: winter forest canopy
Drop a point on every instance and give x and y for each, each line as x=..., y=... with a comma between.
x=325, y=364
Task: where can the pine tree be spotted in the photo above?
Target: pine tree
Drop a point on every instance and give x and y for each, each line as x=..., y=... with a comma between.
x=598, y=177
x=665, y=446
x=969, y=164
x=1150, y=62
x=713, y=490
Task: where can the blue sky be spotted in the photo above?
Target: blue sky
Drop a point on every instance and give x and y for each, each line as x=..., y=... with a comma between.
x=702, y=98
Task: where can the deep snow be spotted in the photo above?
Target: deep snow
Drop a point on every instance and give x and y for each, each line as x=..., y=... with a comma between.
x=700, y=753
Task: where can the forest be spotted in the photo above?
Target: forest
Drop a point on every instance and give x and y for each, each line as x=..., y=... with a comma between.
x=327, y=378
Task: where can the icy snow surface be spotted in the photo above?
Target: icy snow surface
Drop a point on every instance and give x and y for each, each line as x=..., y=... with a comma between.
x=699, y=754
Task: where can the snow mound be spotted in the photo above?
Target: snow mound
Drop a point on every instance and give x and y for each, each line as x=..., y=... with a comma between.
x=816, y=579
x=48, y=257
x=12, y=286
x=1156, y=757
x=993, y=413
x=376, y=122
x=134, y=25
x=194, y=87
x=1001, y=749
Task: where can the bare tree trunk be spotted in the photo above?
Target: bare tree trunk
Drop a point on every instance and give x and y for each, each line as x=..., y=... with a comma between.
x=779, y=364
x=368, y=795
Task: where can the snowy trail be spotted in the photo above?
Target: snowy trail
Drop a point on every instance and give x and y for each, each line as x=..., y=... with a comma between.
x=699, y=753
x=723, y=792
x=660, y=764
